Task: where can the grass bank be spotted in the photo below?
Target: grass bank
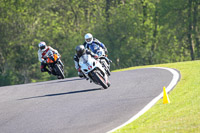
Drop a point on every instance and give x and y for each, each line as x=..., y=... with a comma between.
x=182, y=115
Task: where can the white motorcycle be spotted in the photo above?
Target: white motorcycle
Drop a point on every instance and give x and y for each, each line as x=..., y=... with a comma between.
x=93, y=70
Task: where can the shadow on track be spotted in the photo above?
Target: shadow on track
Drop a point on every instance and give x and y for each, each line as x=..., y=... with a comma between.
x=63, y=80
x=59, y=94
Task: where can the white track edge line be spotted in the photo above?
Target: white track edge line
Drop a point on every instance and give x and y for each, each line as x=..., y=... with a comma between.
x=149, y=105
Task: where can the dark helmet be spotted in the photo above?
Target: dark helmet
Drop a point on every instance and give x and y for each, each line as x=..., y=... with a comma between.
x=80, y=50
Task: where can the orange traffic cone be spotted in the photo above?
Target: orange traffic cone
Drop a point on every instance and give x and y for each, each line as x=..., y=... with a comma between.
x=165, y=97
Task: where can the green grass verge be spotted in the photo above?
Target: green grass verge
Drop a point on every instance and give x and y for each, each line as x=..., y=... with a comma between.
x=182, y=115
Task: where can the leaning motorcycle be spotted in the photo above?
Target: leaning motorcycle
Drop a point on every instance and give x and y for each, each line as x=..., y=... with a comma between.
x=102, y=57
x=56, y=66
x=93, y=70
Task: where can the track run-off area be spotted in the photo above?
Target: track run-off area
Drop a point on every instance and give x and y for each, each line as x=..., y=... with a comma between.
x=75, y=105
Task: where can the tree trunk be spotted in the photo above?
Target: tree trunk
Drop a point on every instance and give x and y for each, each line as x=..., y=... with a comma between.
x=195, y=27
x=107, y=9
x=154, y=33
x=190, y=30
x=144, y=11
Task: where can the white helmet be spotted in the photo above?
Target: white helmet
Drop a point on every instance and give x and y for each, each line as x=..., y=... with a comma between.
x=88, y=38
x=42, y=46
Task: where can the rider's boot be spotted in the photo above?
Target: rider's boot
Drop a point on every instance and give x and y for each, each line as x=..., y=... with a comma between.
x=80, y=75
x=59, y=77
x=47, y=70
x=108, y=60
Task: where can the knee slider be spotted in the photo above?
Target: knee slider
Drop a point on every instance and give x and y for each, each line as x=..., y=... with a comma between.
x=42, y=70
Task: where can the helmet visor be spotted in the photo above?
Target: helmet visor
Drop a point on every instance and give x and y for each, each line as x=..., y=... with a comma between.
x=80, y=52
x=88, y=40
x=42, y=47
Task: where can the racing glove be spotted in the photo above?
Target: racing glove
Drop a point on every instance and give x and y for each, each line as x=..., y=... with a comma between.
x=96, y=56
x=44, y=61
x=79, y=69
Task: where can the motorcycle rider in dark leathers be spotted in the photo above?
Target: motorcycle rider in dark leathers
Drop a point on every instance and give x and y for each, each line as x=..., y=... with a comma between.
x=80, y=50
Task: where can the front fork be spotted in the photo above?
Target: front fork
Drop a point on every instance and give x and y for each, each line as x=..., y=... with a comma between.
x=60, y=62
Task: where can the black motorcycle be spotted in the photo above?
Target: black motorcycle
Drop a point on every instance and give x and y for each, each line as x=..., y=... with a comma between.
x=56, y=66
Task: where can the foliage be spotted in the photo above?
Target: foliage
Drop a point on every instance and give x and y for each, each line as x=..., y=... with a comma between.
x=136, y=32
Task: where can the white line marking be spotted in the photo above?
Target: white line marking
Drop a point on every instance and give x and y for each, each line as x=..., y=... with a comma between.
x=149, y=105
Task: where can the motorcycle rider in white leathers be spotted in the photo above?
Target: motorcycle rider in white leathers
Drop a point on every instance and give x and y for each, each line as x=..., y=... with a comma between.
x=44, y=52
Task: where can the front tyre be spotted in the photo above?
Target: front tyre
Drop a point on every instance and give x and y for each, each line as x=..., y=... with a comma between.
x=100, y=80
x=59, y=71
x=108, y=83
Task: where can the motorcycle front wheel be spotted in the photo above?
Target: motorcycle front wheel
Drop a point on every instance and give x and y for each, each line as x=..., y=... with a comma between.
x=100, y=80
x=59, y=71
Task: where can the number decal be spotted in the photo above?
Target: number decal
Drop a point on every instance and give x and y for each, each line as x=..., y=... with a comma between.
x=89, y=67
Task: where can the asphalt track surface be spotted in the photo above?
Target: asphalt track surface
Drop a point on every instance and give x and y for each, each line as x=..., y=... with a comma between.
x=74, y=105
